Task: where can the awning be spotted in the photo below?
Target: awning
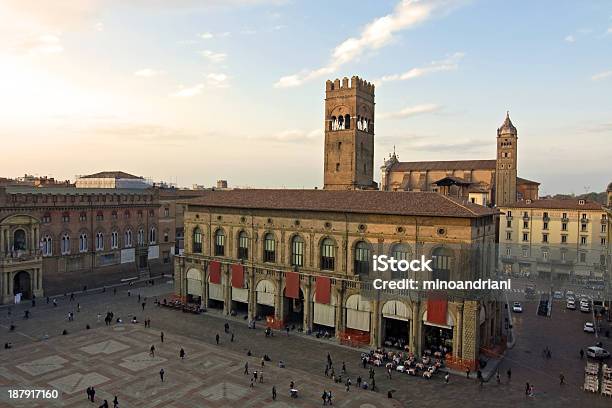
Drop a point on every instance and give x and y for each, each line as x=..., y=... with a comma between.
x=323, y=287
x=292, y=285
x=214, y=272
x=237, y=276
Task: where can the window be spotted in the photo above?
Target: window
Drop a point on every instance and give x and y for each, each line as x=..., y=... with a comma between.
x=583, y=228
x=584, y=216
x=297, y=251
x=583, y=240
x=525, y=252
x=545, y=226
x=508, y=251
x=564, y=226
x=564, y=216
x=65, y=217
x=127, y=240
x=243, y=245
x=603, y=241
x=525, y=237
x=46, y=218
x=152, y=235
x=65, y=244
x=47, y=246
x=328, y=254
x=563, y=255
x=509, y=214
x=582, y=256
x=508, y=236
x=83, y=216
x=114, y=240
x=166, y=212
x=100, y=216
x=219, y=243
x=114, y=215
x=99, y=241
x=82, y=242
x=140, y=237
x=603, y=228
x=362, y=258
x=525, y=224
x=269, y=254
x=197, y=240
x=564, y=239
x=442, y=261
x=509, y=224
x=545, y=254
x=166, y=237
x=544, y=238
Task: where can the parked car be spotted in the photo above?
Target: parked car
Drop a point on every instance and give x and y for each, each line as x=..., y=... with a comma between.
x=585, y=307
x=570, y=304
x=597, y=352
x=589, y=328
x=557, y=295
x=517, y=307
x=569, y=294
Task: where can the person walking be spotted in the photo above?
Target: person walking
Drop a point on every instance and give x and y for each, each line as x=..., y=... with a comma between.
x=324, y=397
x=217, y=338
x=161, y=336
x=446, y=377
x=182, y=354
x=139, y=298
x=232, y=339
x=98, y=317
x=329, y=360
x=497, y=378
x=78, y=307
x=343, y=368
x=261, y=376
x=527, y=388
x=92, y=394
x=104, y=404
x=115, y=402
x=326, y=370
x=509, y=374
x=246, y=368
x=359, y=382
x=88, y=390
x=389, y=372
x=581, y=354
x=561, y=379
x=273, y=393
x=252, y=384
x=161, y=374
x=143, y=305
x=114, y=291
x=152, y=351
x=54, y=303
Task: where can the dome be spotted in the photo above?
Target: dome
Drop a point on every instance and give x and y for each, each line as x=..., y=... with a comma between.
x=507, y=126
x=609, y=188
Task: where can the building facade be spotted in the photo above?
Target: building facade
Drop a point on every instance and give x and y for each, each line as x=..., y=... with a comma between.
x=485, y=182
x=61, y=239
x=304, y=258
x=112, y=179
x=557, y=239
x=349, y=135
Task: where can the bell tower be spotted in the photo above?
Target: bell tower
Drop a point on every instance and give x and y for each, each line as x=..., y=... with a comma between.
x=505, y=169
x=349, y=135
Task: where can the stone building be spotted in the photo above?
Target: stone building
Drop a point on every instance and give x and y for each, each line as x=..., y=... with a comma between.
x=484, y=182
x=112, y=179
x=304, y=258
x=557, y=239
x=61, y=239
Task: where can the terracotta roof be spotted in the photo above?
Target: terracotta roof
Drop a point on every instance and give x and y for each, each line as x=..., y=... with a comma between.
x=521, y=180
x=113, y=175
x=352, y=201
x=557, y=204
x=445, y=165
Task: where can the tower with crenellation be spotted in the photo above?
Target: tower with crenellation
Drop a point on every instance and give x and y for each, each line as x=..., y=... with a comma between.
x=349, y=135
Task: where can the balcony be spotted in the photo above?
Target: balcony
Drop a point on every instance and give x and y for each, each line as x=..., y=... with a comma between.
x=509, y=217
x=584, y=220
x=564, y=219
x=525, y=218
x=20, y=258
x=546, y=219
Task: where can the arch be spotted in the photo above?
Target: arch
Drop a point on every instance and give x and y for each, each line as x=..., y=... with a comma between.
x=395, y=309
x=328, y=249
x=347, y=121
x=362, y=251
x=297, y=250
x=358, y=313
x=127, y=238
x=194, y=274
x=99, y=241
x=265, y=292
x=401, y=250
x=332, y=123
x=450, y=319
x=442, y=264
x=197, y=240
x=153, y=235
x=22, y=283
x=46, y=244
x=219, y=242
x=357, y=302
x=243, y=245
x=65, y=244
x=324, y=315
x=269, y=247
x=194, y=282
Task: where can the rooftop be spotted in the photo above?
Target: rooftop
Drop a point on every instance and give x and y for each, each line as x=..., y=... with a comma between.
x=445, y=165
x=72, y=190
x=557, y=204
x=351, y=201
x=113, y=175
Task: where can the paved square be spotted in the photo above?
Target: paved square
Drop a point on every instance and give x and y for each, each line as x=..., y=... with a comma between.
x=43, y=365
x=105, y=347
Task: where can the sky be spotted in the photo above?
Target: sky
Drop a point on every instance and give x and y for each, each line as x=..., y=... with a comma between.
x=190, y=91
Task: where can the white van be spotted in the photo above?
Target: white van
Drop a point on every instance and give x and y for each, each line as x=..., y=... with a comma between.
x=597, y=352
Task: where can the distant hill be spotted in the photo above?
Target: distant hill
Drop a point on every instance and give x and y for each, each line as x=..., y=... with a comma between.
x=601, y=198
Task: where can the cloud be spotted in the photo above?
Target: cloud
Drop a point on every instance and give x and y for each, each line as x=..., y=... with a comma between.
x=142, y=132
x=450, y=63
x=411, y=111
x=208, y=35
x=375, y=35
x=292, y=136
x=217, y=80
x=99, y=26
x=39, y=45
x=184, y=92
x=213, y=56
x=148, y=73
x=570, y=38
x=601, y=75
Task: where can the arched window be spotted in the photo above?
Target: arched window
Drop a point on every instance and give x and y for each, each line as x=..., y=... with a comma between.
x=340, y=122
x=328, y=254
x=197, y=240
x=243, y=245
x=99, y=241
x=297, y=251
x=19, y=240
x=269, y=254
x=152, y=235
x=140, y=237
x=65, y=249
x=347, y=121
x=332, y=123
x=83, y=242
x=399, y=252
x=362, y=258
x=127, y=240
x=219, y=243
x=442, y=263
x=114, y=240
x=47, y=246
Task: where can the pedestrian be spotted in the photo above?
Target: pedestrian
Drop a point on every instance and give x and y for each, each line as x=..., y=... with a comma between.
x=446, y=377
x=561, y=379
x=129, y=293
x=33, y=302
x=263, y=362
x=88, y=390
x=226, y=327
x=104, y=404
x=252, y=385
x=54, y=303
x=480, y=377
x=255, y=375
x=359, y=382
x=161, y=375
x=527, y=388
x=71, y=297
x=152, y=351
x=114, y=291
x=47, y=299
x=326, y=370
x=139, y=298
x=115, y=402
x=329, y=360
x=509, y=374
x=143, y=305
x=246, y=368
x=581, y=354
x=92, y=393
x=261, y=376
x=232, y=339
x=329, y=397
x=78, y=307
x=467, y=372
x=182, y=354
x=343, y=368
x=389, y=372
x=98, y=317
x=217, y=338
x=497, y=378
x=348, y=384
x=324, y=397
x=364, y=362
x=273, y=393
x=161, y=335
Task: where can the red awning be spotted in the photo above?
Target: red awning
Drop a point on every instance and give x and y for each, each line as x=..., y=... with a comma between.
x=323, y=287
x=292, y=285
x=237, y=276
x=214, y=271
x=436, y=311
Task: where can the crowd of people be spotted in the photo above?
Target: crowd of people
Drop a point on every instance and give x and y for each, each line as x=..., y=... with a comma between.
x=404, y=362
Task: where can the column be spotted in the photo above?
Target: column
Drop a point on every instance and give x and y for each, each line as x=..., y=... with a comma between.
x=307, y=306
x=204, y=298
x=375, y=329
x=227, y=289
x=458, y=344
x=414, y=329
x=278, y=298
x=340, y=313
x=252, y=294
x=471, y=343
